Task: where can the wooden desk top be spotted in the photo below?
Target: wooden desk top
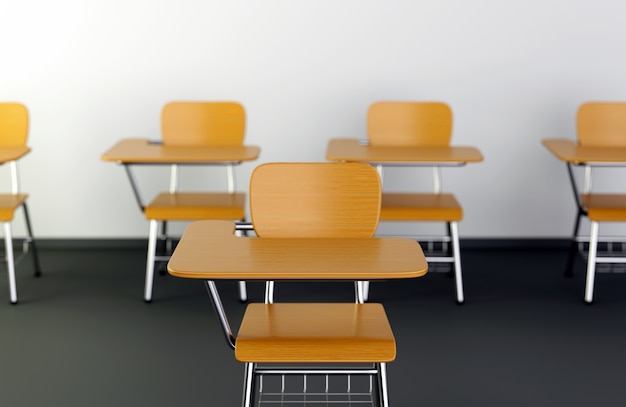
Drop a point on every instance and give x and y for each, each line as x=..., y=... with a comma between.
x=142, y=151
x=353, y=150
x=209, y=250
x=12, y=153
x=570, y=151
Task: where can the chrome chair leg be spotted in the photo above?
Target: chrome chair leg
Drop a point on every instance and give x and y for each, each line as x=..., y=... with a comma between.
x=591, y=262
x=8, y=244
x=362, y=290
x=456, y=254
x=243, y=290
x=383, y=391
x=269, y=292
x=248, y=385
x=152, y=241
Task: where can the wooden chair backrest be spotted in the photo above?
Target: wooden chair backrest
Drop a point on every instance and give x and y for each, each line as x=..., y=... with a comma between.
x=203, y=123
x=13, y=125
x=409, y=124
x=317, y=200
x=602, y=124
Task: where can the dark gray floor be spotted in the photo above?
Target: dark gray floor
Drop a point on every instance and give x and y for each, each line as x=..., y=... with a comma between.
x=82, y=336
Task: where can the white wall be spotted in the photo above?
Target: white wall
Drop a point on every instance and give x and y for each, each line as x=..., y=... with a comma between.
x=92, y=72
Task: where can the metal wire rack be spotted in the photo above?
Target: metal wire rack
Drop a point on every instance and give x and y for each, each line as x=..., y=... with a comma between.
x=613, y=248
x=316, y=390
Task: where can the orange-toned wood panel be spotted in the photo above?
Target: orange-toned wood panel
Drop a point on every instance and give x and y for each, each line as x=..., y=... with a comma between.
x=420, y=207
x=9, y=203
x=353, y=150
x=602, y=124
x=570, y=151
x=209, y=250
x=315, y=333
x=13, y=125
x=403, y=124
x=203, y=124
x=142, y=151
x=605, y=207
x=196, y=206
x=315, y=200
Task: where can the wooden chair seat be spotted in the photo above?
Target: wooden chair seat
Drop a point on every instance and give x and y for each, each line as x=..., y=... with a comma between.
x=420, y=207
x=605, y=207
x=315, y=333
x=8, y=204
x=196, y=206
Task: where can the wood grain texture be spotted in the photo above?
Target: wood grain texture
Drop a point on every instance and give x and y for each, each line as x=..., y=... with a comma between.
x=9, y=203
x=13, y=131
x=12, y=153
x=605, y=207
x=203, y=124
x=420, y=207
x=602, y=124
x=196, y=206
x=13, y=125
x=320, y=333
x=402, y=124
x=572, y=152
x=315, y=200
x=142, y=151
x=352, y=150
x=209, y=250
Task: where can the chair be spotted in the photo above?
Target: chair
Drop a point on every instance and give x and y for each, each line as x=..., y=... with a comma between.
x=314, y=200
x=601, y=125
x=13, y=136
x=195, y=124
x=419, y=124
